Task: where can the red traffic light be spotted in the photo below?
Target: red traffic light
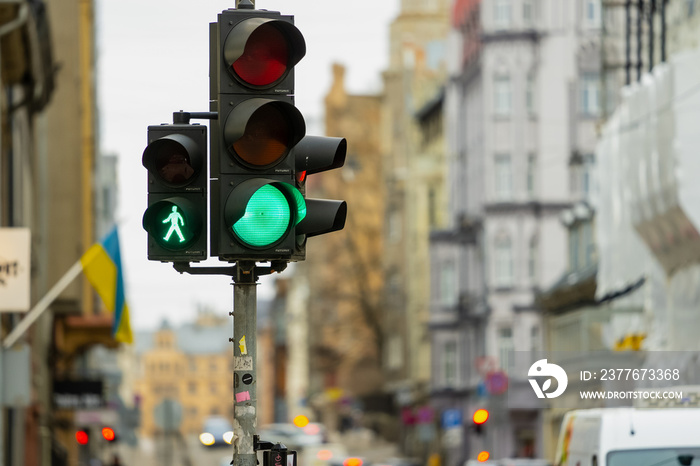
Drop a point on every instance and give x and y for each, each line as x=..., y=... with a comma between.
x=108, y=434
x=260, y=51
x=264, y=58
x=480, y=416
x=82, y=437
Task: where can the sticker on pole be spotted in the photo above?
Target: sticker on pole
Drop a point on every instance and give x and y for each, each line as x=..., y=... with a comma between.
x=15, y=244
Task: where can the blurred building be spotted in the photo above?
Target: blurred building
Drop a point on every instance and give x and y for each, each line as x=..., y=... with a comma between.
x=48, y=183
x=416, y=201
x=191, y=364
x=521, y=110
x=627, y=288
x=335, y=299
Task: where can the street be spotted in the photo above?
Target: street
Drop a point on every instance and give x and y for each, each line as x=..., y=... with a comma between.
x=172, y=452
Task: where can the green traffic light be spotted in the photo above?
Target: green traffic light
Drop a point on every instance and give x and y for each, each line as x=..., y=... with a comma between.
x=266, y=218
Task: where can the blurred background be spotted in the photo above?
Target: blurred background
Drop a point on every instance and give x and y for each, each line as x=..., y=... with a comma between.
x=520, y=179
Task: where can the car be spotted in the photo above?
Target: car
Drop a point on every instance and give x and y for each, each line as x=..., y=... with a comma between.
x=216, y=432
x=396, y=461
x=629, y=436
x=510, y=462
x=322, y=454
x=293, y=437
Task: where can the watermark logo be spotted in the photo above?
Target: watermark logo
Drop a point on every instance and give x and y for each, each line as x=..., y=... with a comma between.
x=542, y=368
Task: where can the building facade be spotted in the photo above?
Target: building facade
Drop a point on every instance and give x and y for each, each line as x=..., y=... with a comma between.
x=413, y=177
x=341, y=280
x=49, y=179
x=192, y=365
x=522, y=104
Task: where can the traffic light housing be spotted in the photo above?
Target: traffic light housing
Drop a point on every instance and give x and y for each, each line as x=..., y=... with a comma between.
x=176, y=217
x=316, y=154
x=255, y=203
x=260, y=154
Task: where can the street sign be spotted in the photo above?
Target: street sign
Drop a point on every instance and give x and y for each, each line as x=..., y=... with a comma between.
x=451, y=418
x=15, y=378
x=497, y=382
x=15, y=247
x=78, y=394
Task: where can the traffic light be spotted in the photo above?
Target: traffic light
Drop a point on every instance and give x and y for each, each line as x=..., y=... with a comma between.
x=479, y=418
x=258, y=208
x=316, y=154
x=82, y=437
x=176, y=217
x=109, y=434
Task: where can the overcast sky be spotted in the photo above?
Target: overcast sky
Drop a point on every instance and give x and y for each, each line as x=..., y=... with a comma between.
x=153, y=59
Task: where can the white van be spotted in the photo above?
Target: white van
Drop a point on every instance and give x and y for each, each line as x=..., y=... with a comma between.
x=630, y=437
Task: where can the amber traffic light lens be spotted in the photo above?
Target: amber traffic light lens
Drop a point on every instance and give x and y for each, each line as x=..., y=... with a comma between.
x=266, y=138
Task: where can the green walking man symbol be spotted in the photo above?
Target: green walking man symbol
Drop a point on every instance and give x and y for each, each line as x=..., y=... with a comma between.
x=175, y=220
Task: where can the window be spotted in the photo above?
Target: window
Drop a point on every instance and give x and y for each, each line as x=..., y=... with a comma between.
x=505, y=347
x=394, y=226
x=528, y=13
x=501, y=17
x=504, y=178
x=502, y=95
x=448, y=284
x=581, y=173
x=591, y=13
x=574, y=244
x=530, y=94
x=503, y=262
x=690, y=7
x=530, y=175
x=589, y=90
x=450, y=363
x=192, y=387
x=394, y=356
x=432, y=206
x=535, y=340
x=532, y=258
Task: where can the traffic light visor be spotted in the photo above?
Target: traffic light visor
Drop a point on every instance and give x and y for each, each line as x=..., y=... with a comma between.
x=175, y=159
x=261, y=51
x=260, y=132
x=264, y=58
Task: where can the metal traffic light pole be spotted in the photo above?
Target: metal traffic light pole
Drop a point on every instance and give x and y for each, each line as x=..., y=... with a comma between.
x=245, y=281
x=244, y=364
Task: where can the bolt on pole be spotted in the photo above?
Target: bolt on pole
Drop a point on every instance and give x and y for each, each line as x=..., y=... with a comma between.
x=244, y=364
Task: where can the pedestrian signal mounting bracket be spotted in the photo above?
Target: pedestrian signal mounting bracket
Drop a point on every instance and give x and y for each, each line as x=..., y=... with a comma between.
x=242, y=272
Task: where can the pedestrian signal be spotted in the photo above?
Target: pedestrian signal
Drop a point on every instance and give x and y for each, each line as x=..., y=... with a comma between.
x=177, y=192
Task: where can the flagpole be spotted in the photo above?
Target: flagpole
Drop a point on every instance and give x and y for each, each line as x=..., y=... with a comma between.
x=43, y=304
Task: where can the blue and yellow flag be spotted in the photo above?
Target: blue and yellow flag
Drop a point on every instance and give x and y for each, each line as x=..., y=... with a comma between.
x=102, y=266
